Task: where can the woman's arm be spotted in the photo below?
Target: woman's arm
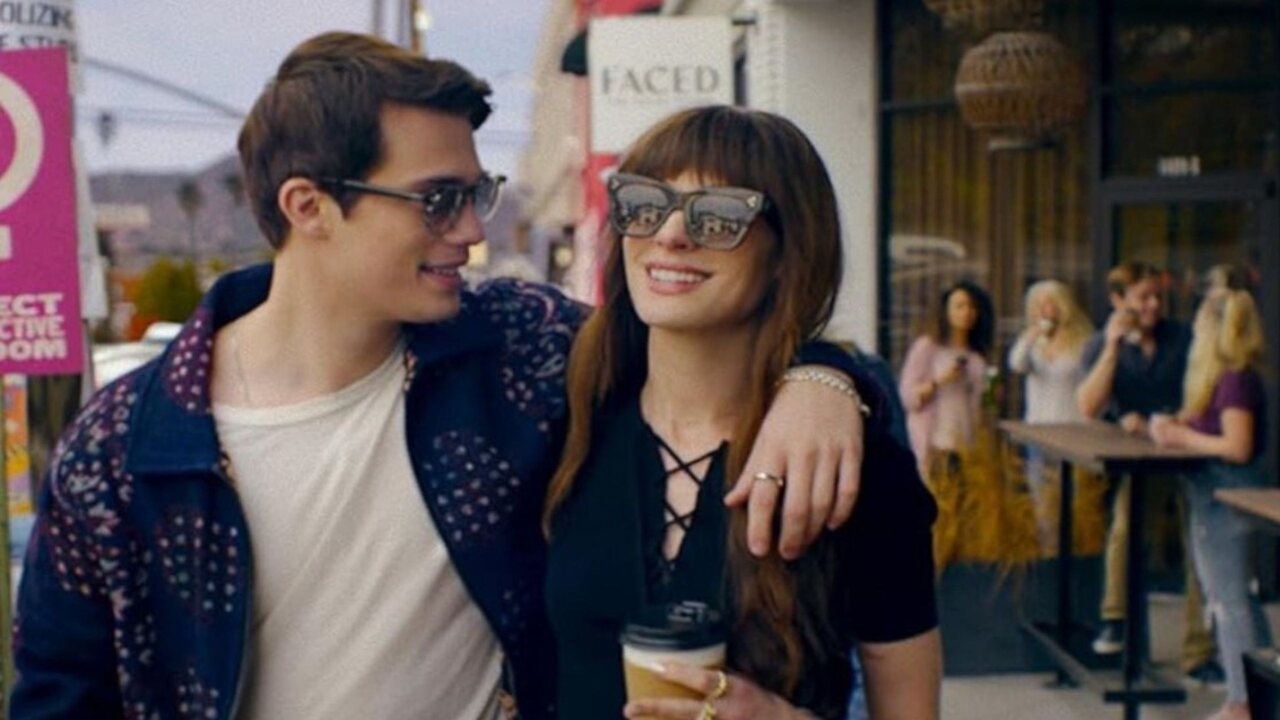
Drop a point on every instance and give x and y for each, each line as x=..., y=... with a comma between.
x=904, y=678
x=1235, y=444
x=977, y=377
x=917, y=386
x=1020, y=353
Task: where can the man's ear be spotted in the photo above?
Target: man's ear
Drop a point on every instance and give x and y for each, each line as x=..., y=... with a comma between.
x=304, y=206
x=1117, y=300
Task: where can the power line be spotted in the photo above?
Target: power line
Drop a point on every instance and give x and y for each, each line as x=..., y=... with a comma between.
x=172, y=88
x=157, y=116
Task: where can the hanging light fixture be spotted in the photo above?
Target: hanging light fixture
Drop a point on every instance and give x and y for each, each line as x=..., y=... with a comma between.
x=1022, y=88
x=984, y=16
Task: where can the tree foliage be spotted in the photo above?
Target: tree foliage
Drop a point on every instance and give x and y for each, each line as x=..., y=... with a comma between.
x=168, y=291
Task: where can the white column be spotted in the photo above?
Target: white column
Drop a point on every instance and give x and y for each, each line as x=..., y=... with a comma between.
x=815, y=62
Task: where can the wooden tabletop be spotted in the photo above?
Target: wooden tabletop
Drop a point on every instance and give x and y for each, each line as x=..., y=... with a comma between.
x=1102, y=446
x=1258, y=503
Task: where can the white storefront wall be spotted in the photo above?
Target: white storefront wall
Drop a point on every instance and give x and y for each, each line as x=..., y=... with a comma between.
x=815, y=62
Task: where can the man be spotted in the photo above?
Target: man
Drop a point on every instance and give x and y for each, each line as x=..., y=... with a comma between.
x=323, y=500
x=1136, y=367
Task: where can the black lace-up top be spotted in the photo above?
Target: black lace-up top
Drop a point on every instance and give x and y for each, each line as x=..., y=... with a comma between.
x=614, y=552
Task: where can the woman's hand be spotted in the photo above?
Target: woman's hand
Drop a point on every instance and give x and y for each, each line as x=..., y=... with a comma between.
x=956, y=373
x=740, y=700
x=1166, y=431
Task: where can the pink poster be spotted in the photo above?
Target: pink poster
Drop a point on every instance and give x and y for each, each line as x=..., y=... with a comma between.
x=39, y=277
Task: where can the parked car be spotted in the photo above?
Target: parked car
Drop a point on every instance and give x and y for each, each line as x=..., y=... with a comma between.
x=114, y=360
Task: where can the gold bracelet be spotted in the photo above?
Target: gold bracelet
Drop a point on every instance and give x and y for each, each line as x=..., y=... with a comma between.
x=829, y=379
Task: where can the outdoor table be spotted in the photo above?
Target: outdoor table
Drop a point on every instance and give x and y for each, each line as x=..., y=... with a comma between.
x=1262, y=666
x=1261, y=505
x=1105, y=448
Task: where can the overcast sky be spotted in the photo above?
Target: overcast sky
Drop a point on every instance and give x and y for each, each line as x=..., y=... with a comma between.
x=227, y=49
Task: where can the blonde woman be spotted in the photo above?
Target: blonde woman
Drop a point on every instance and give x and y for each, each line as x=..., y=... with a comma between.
x=1222, y=415
x=1049, y=353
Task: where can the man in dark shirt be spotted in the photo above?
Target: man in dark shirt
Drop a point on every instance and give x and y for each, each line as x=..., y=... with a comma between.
x=1136, y=366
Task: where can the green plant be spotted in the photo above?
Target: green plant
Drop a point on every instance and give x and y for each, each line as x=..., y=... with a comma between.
x=168, y=291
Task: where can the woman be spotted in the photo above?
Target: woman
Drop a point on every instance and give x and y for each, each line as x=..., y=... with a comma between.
x=944, y=375
x=725, y=256
x=1223, y=415
x=1048, y=353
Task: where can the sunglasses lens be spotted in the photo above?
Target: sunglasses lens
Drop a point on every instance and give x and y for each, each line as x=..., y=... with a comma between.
x=719, y=221
x=638, y=209
x=441, y=206
x=487, y=191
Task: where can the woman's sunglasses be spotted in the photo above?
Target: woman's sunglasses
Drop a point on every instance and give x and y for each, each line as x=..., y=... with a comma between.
x=716, y=217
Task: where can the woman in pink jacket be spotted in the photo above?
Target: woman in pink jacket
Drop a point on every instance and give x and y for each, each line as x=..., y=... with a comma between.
x=943, y=377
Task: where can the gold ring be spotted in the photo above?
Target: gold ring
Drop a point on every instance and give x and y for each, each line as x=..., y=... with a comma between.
x=722, y=686
x=708, y=711
x=778, y=480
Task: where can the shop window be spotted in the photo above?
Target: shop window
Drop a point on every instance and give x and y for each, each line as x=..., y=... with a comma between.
x=1169, y=42
x=1188, y=134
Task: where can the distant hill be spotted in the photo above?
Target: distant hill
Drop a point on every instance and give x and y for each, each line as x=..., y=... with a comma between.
x=224, y=226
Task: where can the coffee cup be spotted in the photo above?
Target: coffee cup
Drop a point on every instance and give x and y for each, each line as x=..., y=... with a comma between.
x=688, y=633
x=1133, y=335
x=1048, y=326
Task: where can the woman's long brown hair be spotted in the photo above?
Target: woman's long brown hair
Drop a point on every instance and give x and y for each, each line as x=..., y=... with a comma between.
x=782, y=619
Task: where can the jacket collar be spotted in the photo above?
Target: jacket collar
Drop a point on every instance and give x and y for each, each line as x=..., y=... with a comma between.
x=173, y=432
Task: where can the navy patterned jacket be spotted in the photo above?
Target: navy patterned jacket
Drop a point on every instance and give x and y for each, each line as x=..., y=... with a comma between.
x=137, y=589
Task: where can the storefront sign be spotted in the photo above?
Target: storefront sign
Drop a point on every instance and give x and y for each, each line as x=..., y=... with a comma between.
x=26, y=25
x=39, y=275
x=643, y=69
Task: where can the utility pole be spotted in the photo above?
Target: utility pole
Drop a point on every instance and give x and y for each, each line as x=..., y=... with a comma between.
x=376, y=25
x=415, y=38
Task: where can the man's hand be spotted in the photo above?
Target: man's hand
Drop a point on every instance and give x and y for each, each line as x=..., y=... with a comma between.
x=811, y=437
x=1118, y=325
x=1133, y=423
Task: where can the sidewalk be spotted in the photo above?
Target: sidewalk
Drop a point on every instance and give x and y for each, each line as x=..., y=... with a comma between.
x=1025, y=697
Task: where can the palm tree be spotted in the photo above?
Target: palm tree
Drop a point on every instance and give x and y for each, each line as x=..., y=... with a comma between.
x=191, y=200
x=234, y=185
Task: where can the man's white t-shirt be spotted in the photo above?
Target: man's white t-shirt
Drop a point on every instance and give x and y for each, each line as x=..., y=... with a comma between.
x=358, y=611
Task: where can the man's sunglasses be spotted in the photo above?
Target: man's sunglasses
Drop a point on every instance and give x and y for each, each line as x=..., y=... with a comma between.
x=442, y=204
x=714, y=217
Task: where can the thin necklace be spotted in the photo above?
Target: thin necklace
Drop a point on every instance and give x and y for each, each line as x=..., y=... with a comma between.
x=238, y=366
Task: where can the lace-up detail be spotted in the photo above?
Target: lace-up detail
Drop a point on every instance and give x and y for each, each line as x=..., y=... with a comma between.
x=679, y=507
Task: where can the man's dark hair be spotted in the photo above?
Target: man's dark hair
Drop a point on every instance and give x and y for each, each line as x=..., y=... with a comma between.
x=1126, y=275
x=319, y=117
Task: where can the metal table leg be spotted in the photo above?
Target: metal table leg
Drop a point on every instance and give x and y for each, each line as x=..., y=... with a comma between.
x=1065, y=551
x=1135, y=595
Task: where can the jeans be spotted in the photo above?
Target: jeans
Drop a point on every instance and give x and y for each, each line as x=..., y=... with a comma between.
x=858, y=698
x=1035, y=464
x=1197, y=640
x=1220, y=542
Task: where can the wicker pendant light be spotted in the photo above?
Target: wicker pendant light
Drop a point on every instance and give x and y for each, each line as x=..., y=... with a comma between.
x=1022, y=88
x=985, y=16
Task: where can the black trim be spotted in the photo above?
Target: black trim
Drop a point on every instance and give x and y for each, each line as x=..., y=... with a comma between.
x=884, y=180
x=1259, y=83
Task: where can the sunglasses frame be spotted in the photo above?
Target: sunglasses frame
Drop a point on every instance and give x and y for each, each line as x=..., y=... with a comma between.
x=427, y=199
x=755, y=200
